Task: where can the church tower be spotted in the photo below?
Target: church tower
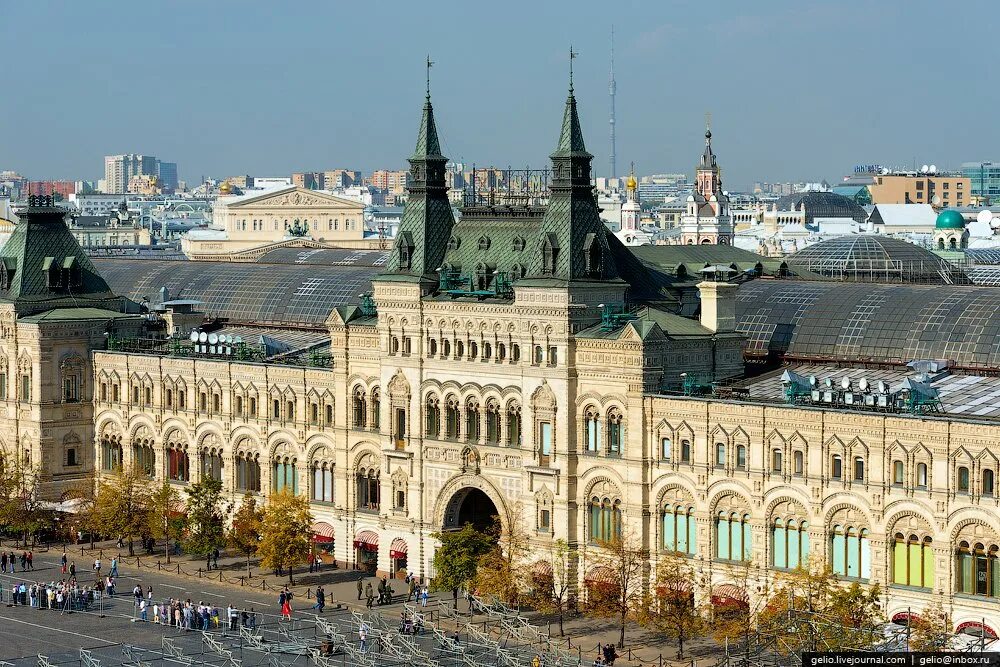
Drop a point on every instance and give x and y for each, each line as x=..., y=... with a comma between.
x=706, y=220
x=631, y=233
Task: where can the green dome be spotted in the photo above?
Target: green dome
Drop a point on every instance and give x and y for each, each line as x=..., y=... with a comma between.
x=950, y=219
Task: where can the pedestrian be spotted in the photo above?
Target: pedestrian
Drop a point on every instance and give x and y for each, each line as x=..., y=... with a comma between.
x=114, y=566
x=97, y=566
x=312, y=563
x=142, y=610
x=253, y=619
x=3, y=562
x=233, y=615
x=282, y=601
x=208, y=561
x=319, y=562
x=11, y=561
x=361, y=586
x=215, y=558
x=424, y=595
x=363, y=637
x=411, y=588
x=72, y=568
x=156, y=614
x=24, y=561
x=31, y=565
x=320, y=599
x=369, y=595
x=62, y=563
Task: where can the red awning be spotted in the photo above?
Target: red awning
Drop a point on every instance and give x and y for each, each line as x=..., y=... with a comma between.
x=541, y=569
x=729, y=594
x=600, y=575
x=398, y=548
x=903, y=617
x=367, y=540
x=322, y=532
x=976, y=629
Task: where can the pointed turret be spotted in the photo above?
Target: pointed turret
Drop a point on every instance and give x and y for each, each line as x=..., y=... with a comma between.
x=427, y=218
x=572, y=243
x=42, y=266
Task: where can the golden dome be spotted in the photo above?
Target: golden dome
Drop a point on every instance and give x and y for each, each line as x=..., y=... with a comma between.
x=630, y=183
x=225, y=189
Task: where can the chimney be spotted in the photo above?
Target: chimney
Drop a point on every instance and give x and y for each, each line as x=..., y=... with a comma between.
x=718, y=300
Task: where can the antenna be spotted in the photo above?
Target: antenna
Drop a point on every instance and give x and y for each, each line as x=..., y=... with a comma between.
x=845, y=383
x=932, y=169
x=863, y=384
x=611, y=92
x=985, y=217
x=882, y=387
x=812, y=380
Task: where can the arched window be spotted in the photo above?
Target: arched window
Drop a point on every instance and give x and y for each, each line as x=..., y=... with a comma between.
x=677, y=528
x=665, y=448
x=912, y=561
x=376, y=409
x=976, y=571
x=178, y=466
x=329, y=414
x=685, y=451
x=850, y=552
x=963, y=479
x=741, y=457
x=605, y=519
x=472, y=420
x=798, y=462
x=433, y=417
x=432, y=347
x=492, y=422
x=452, y=418
x=111, y=452
x=322, y=481
x=446, y=348
x=837, y=467
x=211, y=464
x=248, y=472
x=776, y=460
x=360, y=407
x=897, y=473
x=987, y=482
x=789, y=543
x=501, y=351
x=513, y=424
x=515, y=352
x=733, y=540
x=921, y=475
x=859, y=469
x=592, y=429
x=369, y=493
x=614, y=432
x=720, y=455
x=284, y=476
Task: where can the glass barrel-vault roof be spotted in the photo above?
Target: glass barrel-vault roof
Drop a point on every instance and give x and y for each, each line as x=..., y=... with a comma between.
x=870, y=323
x=243, y=292
x=823, y=205
x=876, y=258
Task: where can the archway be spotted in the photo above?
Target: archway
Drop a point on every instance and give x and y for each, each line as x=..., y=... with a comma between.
x=473, y=506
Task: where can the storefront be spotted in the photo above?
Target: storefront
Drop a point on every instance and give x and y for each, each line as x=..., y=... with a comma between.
x=323, y=542
x=397, y=556
x=729, y=600
x=366, y=551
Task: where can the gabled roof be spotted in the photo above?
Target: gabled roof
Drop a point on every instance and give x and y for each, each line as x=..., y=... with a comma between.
x=294, y=195
x=904, y=215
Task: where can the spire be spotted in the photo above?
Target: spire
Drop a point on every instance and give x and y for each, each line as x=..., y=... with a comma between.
x=708, y=157
x=427, y=137
x=611, y=91
x=571, y=136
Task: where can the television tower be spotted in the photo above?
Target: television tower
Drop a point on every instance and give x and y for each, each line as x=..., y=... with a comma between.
x=611, y=91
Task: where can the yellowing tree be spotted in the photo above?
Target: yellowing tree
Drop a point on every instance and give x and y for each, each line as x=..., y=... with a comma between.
x=286, y=531
x=123, y=502
x=244, y=533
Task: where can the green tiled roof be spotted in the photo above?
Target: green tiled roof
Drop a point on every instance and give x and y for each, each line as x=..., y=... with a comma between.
x=65, y=314
x=427, y=136
x=649, y=321
x=571, y=136
x=44, y=267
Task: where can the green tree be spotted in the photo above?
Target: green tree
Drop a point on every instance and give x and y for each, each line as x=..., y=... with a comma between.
x=166, y=518
x=670, y=607
x=550, y=582
x=930, y=630
x=88, y=510
x=501, y=572
x=123, y=503
x=736, y=621
x=286, y=529
x=457, y=558
x=20, y=505
x=620, y=594
x=245, y=531
x=204, y=520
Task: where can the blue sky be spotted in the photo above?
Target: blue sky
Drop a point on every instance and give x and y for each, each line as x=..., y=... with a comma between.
x=797, y=90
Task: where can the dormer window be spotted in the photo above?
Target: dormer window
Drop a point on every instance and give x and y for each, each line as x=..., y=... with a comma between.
x=518, y=243
x=550, y=249
x=405, y=247
x=453, y=243
x=484, y=243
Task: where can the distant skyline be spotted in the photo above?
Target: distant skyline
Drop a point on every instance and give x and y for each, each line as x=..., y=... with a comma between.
x=797, y=91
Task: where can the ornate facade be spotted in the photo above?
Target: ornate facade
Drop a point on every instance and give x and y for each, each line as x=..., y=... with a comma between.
x=514, y=364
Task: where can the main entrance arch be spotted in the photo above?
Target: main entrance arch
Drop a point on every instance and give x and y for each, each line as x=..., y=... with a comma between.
x=470, y=499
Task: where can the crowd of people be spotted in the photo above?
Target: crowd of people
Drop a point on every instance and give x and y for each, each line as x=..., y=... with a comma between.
x=415, y=590
x=10, y=561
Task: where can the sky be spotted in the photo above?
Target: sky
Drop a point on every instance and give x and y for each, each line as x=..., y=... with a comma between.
x=796, y=90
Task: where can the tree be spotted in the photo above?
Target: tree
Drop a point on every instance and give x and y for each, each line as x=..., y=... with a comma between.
x=166, y=520
x=244, y=533
x=204, y=520
x=735, y=621
x=670, y=607
x=123, y=502
x=930, y=630
x=457, y=559
x=88, y=510
x=286, y=530
x=20, y=504
x=501, y=571
x=620, y=593
x=550, y=584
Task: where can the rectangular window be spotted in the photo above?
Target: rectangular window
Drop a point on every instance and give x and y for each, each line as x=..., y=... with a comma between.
x=776, y=460
x=544, y=520
x=665, y=449
x=720, y=455
x=686, y=451
x=545, y=438
x=25, y=387
x=897, y=473
x=838, y=468
x=859, y=469
x=70, y=386
x=276, y=406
